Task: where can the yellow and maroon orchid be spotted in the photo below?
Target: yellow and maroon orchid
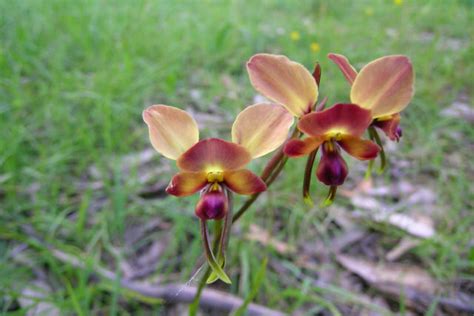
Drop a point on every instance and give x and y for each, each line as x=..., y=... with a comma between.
x=340, y=126
x=285, y=82
x=385, y=86
x=214, y=165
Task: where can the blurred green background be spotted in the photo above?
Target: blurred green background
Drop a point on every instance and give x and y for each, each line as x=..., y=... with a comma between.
x=75, y=163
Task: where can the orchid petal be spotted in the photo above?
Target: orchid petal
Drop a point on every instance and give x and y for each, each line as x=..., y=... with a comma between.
x=172, y=131
x=244, y=182
x=283, y=81
x=346, y=119
x=298, y=148
x=391, y=127
x=384, y=86
x=187, y=183
x=345, y=66
x=261, y=128
x=214, y=154
x=359, y=148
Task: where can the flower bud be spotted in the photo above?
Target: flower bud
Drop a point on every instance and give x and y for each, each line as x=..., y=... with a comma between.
x=332, y=169
x=212, y=205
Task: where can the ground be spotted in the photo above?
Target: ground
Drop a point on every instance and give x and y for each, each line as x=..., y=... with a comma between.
x=82, y=204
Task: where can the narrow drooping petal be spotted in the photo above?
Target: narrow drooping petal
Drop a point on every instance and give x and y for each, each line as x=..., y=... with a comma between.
x=212, y=205
x=332, y=169
x=187, y=183
x=341, y=118
x=385, y=85
x=346, y=68
x=298, y=148
x=359, y=148
x=261, y=128
x=214, y=154
x=244, y=182
x=172, y=131
x=391, y=127
x=283, y=81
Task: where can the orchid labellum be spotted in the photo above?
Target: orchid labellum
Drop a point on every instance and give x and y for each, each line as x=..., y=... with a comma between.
x=214, y=166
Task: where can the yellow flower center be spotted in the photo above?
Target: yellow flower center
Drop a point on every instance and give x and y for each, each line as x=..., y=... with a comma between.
x=215, y=176
x=335, y=135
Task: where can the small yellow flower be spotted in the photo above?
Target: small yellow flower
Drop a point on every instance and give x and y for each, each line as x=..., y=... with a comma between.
x=398, y=2
x=295, y=36
x=369, y=11
x=315, y=47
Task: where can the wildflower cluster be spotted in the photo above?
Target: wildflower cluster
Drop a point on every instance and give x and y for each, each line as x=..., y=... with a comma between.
x=217, y=168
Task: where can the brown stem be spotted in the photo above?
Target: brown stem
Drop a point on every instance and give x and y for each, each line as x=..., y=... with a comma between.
x=276, y=158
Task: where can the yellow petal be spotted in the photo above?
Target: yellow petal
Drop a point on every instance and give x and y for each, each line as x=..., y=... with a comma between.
x=172, y=131
x=261, y=128
x=384, y=86
x=283, y=81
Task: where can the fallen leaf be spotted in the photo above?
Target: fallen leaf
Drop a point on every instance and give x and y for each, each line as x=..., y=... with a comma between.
x=31, y=300
x=397, y=276
x=404, y=245
x=419, y=226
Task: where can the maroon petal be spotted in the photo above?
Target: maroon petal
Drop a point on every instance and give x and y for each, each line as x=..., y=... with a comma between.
x=213, y=154
x=391, y=127
x=298, y=148
x=359, y=148
x=186, y=183
x=347, y=119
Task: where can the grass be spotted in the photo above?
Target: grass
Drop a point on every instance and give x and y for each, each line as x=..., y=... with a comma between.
x=75, y=76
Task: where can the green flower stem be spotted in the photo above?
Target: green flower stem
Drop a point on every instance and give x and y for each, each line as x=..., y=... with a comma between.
x=193, y=307
x=307, y=177
x=375, y=136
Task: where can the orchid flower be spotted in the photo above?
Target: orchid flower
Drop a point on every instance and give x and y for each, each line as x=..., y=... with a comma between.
x=214, y=166
x=340, y=126
x=385, y=86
